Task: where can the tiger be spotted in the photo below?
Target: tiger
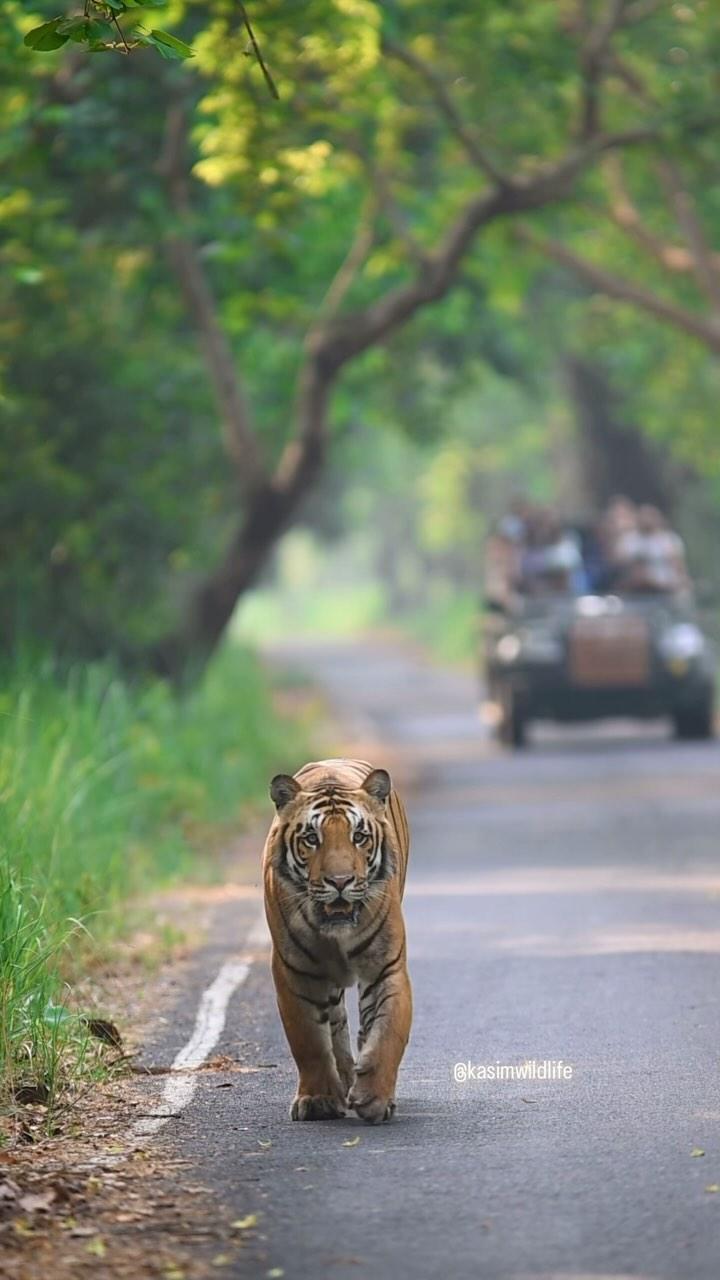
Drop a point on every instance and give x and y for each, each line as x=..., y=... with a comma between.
x=334, y=868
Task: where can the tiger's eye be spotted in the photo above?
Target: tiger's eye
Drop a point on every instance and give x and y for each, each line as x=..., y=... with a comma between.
x=311, y=838
x=360, y=837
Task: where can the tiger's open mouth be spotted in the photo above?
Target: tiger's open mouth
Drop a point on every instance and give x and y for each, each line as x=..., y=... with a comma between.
x=339, y=912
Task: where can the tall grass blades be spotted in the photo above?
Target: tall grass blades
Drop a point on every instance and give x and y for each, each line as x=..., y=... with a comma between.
x=100, y=785
x=37, y=1031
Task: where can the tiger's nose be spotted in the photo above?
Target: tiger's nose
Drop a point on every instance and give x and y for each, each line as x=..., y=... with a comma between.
x=339, y=882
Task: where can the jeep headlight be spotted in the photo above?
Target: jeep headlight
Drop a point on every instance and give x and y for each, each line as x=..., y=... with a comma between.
x=529, y=645
x=508, y=648
x=682, y=642
x=541, y=646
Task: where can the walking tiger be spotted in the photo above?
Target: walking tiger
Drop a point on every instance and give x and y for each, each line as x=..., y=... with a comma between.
x=334, y=872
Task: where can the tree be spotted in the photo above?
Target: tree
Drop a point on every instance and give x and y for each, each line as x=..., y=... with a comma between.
x=494, y=189
x=615, y=455
x=676, y=277
x=305, y=238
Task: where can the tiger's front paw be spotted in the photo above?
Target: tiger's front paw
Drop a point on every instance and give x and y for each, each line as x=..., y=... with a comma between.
x=370, y=1106
x=317, y=1106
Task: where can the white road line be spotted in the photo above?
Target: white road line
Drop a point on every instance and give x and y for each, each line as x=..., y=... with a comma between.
x=209, y=1025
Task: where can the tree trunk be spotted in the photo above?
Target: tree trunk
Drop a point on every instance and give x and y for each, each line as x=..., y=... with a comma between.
x=615, y=456
x=268, y=512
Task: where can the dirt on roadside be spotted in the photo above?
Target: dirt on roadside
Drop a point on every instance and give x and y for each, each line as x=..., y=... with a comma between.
x=87, y=1198
x=91, y=1199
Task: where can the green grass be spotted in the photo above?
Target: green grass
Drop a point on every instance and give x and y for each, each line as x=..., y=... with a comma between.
x=330, y=611
x=449, y=625
x=106, y=790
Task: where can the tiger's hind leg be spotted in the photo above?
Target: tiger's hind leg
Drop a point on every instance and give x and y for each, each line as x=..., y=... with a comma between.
x=342, y=1048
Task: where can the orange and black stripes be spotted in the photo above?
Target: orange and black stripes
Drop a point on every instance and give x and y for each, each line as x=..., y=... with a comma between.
x=334, y=869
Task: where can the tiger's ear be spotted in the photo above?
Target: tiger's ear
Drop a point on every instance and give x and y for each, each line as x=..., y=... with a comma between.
x=283, y=789
x=378, y=785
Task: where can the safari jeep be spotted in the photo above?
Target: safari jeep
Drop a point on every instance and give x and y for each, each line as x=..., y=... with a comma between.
x=582, y=658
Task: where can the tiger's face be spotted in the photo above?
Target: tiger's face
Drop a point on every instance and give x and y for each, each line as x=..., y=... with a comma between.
x=333, y=845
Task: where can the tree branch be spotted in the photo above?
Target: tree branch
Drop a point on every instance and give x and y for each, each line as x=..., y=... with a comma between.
x=347, y=272
x=703, y=260
x=625, y=215
x=239, y=438
x=352, y=334
x=593, y=61
x=639, y=11
x=385, y=200
x=446, y=106
x=623, y=290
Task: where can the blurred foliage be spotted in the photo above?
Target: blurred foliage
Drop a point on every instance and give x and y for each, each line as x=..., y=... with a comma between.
x=405, y=546
x=114, y=492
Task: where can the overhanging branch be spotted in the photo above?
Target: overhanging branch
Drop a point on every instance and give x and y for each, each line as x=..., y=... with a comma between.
x=352, y=334
x=593, y=59
x=624, y=290
x=703, y=259
x=239, y=437
x=446, y=107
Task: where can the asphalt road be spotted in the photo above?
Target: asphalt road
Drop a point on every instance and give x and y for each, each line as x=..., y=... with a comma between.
x=563, y=905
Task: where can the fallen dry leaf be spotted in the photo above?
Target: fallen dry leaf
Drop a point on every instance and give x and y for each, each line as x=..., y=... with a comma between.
x=32, y=1093
x=37, y=1202
x=104, y=1030
x=97, y=1247
x=713, y=1187
x=697, y=1151
x=351, y=1142
x=264, y=1145
x=246, y=1223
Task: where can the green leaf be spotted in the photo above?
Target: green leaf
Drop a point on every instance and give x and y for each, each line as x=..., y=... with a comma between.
x=100, y=31
x=46, y=37
x=75, y=28
x=68, y=25
x=169, y=46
